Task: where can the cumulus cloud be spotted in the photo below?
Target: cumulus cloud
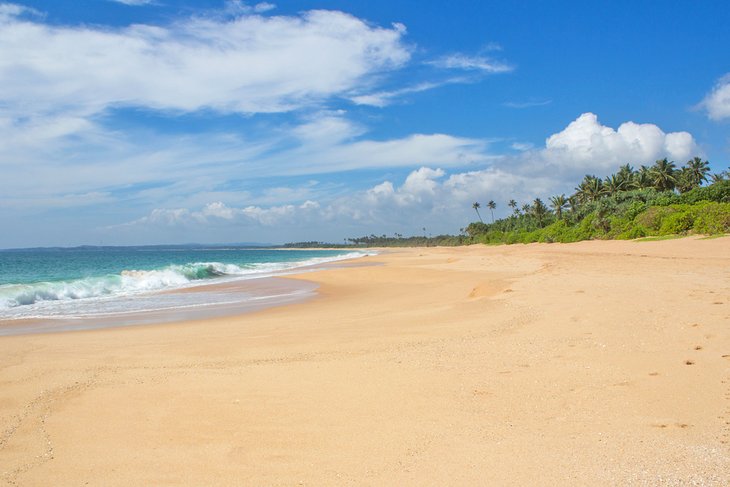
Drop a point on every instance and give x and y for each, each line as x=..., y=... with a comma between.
x=432, y=196
x=218, y=211
x=247, y=63
x=587, y=145
x=717, y=102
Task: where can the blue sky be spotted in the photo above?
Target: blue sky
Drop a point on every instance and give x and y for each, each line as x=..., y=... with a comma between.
x=141, y=122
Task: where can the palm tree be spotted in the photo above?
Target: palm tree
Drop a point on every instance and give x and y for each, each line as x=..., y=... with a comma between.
x=526, y=208
x=573, y=202
x=696, y=172
x=663, y=175
x=614, y=183
x=558, y=203
x=642, y=179
x=626, y=175
x=492, y=205
x=476, y=207
x=539, y=210
x=513, y=204
x=590, y=189
x=717, y=177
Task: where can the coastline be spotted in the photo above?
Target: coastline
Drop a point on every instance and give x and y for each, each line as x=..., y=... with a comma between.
x=591, y=363
x=194, y=300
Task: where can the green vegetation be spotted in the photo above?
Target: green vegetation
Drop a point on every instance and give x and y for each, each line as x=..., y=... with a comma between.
x=658, y=201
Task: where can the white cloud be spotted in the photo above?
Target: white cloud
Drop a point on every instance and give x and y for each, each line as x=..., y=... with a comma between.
x=134, y=3
x=526, y=104
x=587, y=145
x=717, y=102
x=440, y=200
x=245, y=64
x=385, y=98
x=479, y=63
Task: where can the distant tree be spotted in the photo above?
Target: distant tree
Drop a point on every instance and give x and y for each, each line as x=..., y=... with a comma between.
x=663, y=175
x=614, y=184
x=642, y=178
x=476, y=207
x=590, y=189
x=626, y=175
x=513, y=204
x=573, y=202
x=492, y=205
x=695, y=172
x=539, y=210
x=558, y=204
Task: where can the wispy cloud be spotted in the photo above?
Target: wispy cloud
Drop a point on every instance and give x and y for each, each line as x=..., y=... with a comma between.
x=526, y=104
x=385, y=98
x=472, y=63
x=134, y=3
x=717, y=101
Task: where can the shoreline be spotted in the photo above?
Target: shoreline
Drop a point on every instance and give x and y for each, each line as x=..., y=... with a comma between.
x=591, y=363
x=235, y=296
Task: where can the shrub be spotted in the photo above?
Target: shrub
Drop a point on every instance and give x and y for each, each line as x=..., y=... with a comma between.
x=651, y=218
x=712, y=218
x=676, y=223
x=718, y=192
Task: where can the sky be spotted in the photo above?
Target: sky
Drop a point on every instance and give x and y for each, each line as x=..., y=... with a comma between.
x=130, y=122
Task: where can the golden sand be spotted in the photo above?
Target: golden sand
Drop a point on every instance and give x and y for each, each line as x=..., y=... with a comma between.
x=596, y=363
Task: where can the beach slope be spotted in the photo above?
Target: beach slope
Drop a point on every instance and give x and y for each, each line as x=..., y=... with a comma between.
x=594, y=363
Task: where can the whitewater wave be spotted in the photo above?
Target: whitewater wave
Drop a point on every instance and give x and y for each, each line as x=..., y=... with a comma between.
x=130, y=282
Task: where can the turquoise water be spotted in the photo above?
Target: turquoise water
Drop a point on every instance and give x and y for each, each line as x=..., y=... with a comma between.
x=45, y=283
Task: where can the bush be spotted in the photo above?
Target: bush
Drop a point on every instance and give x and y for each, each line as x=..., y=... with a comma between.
x=718, y=192
x=712, y=218
x=677, y=223
x=651, y=219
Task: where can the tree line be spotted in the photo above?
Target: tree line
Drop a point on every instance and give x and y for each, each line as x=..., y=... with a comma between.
x=656, y=200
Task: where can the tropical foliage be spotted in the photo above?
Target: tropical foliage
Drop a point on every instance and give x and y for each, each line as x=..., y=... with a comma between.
x=657, y=200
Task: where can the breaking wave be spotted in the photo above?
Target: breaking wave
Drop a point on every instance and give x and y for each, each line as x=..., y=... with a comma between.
x=130, y=282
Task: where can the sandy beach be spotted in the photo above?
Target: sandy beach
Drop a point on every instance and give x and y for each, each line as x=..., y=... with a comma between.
x=594, y=363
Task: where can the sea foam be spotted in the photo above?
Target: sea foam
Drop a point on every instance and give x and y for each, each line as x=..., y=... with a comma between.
x=131, y=282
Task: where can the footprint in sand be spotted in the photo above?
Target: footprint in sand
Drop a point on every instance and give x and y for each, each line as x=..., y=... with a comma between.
x=676, y=425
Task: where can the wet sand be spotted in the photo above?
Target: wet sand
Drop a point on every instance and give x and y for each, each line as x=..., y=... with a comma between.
x=596, y=363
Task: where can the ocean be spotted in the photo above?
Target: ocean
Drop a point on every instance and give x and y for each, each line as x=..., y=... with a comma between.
x=81, y=288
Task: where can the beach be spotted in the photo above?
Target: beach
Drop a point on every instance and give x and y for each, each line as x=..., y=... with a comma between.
x=593, y=363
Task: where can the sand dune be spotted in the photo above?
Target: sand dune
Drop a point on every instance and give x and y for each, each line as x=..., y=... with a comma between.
x=595, y=363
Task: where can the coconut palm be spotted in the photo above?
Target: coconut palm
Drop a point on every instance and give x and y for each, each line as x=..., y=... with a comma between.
x=613, y=184
x=573, y=202
x=492, y=205
x=663, y=175
x=696, y=171
x=476, y=207
x=590, y=189
x=626, y=175
x=558, y=204
x=717, y=177
x=539, y=210
x=642, y=178
x=513, y=204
